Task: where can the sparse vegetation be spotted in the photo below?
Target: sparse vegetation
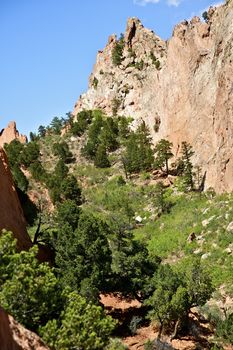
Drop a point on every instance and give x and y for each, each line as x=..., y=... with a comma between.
x=117, y=52
x=125, y=231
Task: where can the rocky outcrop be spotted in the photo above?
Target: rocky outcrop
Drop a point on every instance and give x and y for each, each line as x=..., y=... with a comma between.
x=11, y=215
x=182, y=88
x=13, y=336
x=11, y=133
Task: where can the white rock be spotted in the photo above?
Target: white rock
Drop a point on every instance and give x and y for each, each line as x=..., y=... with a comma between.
x=230, y=226
x=205, y=256
x=138, y=219
x=207, y=221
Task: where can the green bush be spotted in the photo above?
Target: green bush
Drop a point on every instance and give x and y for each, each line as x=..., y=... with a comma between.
x=117, y=52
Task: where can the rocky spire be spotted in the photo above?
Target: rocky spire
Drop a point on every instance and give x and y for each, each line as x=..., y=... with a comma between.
x=11, y=133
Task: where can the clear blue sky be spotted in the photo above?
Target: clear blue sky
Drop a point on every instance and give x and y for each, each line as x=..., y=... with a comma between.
x=48, y=48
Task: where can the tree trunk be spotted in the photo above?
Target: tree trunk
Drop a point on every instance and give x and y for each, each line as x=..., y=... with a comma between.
x=174, y=335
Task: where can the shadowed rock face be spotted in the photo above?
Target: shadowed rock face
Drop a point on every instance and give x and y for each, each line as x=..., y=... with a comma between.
x=11, y=215
x=11, y=133
x=13, y=336
x=187, y=96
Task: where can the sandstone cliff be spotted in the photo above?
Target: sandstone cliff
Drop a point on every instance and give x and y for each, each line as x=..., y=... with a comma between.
x=13, y=336
x=11, y=215
x=182, y=88
x=11, y=133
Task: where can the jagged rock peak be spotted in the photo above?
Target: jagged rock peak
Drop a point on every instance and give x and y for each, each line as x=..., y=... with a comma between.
x=182, y=88
x=11, y=133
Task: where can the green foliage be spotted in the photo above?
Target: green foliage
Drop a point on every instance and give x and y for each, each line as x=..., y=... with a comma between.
x=176, y=292
x=41, y=131
x=116, y=102
x=131, y=265
x=62, y=151
x=101, y=158
x=82, y=251
x=13, y=151
x=67, y=214
x=160, y=201
x=61, y=170
x=155, y=61
x=163, y=150
x=205, y=16
x=139, y=65
x=71, y=190
x=93, y=141
x=30, y=209
x=83, y=326
x=108, y=134
x=95, y=83
x=29, y=290
x=30, y=153
x=37, y=171
x=117, y=52
x=138, y=155
x=84, y=118
x=116, y=344
x=19, y=178
x=56, y=125
x=225, y=329
x=186, y=167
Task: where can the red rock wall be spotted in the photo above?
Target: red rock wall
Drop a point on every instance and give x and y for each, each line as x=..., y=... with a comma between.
x=11, y=214
x=15, y=337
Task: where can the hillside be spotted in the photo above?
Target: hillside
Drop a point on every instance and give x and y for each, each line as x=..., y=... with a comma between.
x=182, y=87
x=117, y=220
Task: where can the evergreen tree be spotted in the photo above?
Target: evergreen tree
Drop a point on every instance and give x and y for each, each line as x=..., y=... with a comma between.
x=101, y=157
x=108, y=134
x=83, y=326
x=163, y=154
x=187, y=166
x=160, y=201
x=61, y=170
x=82, y=249
x=41, y=131
x=62, y=151
x=56, y=125
x=71, y=190
x=117, y=52
x=30, y=153
x=84, y=118
x=19, y=178
x=29, y=290
x=138, y=155
x=13, y=151
x=93, y=140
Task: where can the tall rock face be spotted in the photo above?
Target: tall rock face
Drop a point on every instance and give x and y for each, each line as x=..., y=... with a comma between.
x=11, y=133
x=13, y=336
x=11, y=215
x=182, y=88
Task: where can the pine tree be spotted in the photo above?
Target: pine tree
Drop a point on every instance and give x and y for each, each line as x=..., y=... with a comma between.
x=139, y=154
x=163, y=151
x=101, y=157
x=187, y=166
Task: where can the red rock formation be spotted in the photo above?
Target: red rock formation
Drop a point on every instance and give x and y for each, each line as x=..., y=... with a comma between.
x=182, y=88
x=11, y=133
x=13, y=336
x=11, y=215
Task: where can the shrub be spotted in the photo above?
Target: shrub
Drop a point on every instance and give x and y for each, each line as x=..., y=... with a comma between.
x=95, y=83
x=117, y=52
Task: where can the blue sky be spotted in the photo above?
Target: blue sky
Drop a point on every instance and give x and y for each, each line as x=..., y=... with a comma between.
x=48, y=48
